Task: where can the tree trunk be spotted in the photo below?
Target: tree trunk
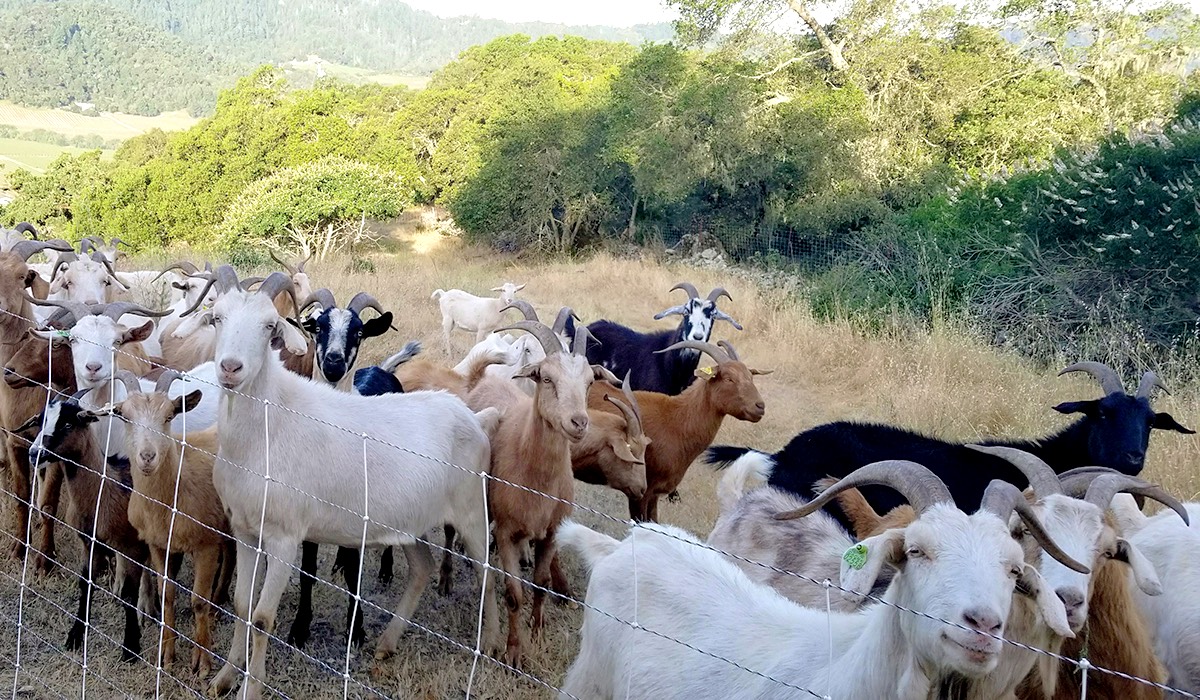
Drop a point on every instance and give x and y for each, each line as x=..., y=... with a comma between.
x=834, y=49
x=631, y=230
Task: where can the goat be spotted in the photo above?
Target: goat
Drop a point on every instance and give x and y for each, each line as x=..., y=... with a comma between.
x=96, y=245
x=613, y=452
x=381, y=379
x=1113, y=432
x=623, y=350
x=532, y=447
x=173, y=471
x=680, y=427
x=100, y=512
x=18, y=404
x=300, y=282
x=1173, y=618
x=411, y=490
x=950, y=565
x=479, y=315
x=15, y=235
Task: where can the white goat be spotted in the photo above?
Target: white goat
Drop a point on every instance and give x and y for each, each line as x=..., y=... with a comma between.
x=1174, y=617
x=952, y=566
x=478, y=315
x=409, y=493
x=517, y=352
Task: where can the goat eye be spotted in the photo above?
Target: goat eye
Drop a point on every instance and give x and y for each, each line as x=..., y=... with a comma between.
x=1015, y=571
x=1109, y=554
x=915, y=552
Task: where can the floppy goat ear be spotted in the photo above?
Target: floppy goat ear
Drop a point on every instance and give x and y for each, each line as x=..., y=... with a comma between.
x=1088, y=408
x=533, y=371
x=1164, y=421
x=286, y=335
x=1143, y=571
x=187, y=402
x=137, y=335
x=621, y=449
x=378, y=325
x=862, y=563
x=1031, y=583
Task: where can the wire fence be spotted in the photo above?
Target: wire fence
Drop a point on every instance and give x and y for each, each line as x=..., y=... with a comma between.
x=35, y=618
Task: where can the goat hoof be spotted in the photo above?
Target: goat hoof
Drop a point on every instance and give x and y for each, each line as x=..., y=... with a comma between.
x=201, y=663
x=75, y=637
x=674, y=497
x=298, y=634
x=384, y=651
x=224, y=681
x=512, y=657
x=17, y=552
x=129, y=655
x=445, y=585
x=42, y=564
x=358, y=637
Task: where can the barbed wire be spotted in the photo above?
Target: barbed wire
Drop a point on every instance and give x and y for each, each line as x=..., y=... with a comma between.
x=357, y=599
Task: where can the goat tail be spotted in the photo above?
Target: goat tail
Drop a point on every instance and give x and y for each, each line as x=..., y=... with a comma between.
x=477, y=365
x=751, y=465
x=592, y=545
x=721, y=456
x=437, y=293
x=410, y=350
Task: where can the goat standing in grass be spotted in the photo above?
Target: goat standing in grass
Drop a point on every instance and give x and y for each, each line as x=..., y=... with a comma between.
x=478, y=315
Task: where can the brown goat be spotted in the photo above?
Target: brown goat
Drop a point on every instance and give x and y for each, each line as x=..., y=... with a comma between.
x=531, y=447
x=424, y=375
x=681, y=427
x=613, y=452
x=200, y=529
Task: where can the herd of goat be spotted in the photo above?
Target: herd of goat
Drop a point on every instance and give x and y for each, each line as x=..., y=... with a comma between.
x=207, y=429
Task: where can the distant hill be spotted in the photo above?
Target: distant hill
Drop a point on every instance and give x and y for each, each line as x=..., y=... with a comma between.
x=145, y=56
x=59, y=54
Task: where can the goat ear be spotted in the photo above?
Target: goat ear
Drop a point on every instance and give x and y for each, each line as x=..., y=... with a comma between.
x=89, y=417
x=533, y=371
x=621, y=449
x=761, y=371
x=1054, y=613
x=34, y=421
x=188, y=402
x=137, y=335
x=288, y=336
x=1143, y=571
x=308, y=323
x=1164, y=421
x=1085, y=407
x=378, y=325
x=860, y=572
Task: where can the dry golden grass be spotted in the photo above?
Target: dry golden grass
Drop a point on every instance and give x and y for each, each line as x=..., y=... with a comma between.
x=942, y=382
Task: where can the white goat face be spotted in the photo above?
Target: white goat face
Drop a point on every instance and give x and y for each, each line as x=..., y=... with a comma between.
x=95, y=340
x=508, y=291
x=249, y=330
x=562, y=381
x=959, y=568
x=303, y=285
x=85, y=281
x=699, y=323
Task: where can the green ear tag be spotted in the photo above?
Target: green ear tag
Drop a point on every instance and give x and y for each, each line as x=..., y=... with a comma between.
x=856, y=556
x=63, y=334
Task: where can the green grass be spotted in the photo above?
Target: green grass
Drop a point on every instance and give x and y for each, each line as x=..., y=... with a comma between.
x=108, y=125
x=33, y=155
x=359, y=76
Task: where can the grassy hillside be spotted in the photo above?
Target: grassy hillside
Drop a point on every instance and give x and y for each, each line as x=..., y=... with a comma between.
x=32, y=155
x=107, y=125
x=946, y=383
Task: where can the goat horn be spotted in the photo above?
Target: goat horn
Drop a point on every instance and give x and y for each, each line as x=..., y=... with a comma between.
x=1002, y=499
x=1040, y=475
x=1098, y=486
x=26, y=227
x=130, y=380
x=79, y=395
x=86, y=245
x=187, y=268
x=919, y=486
x=524, y=307
x=117, y=309
x=103, y=259
x=321, y=296
x=27, y=249
x=114, y=242
x=62, y=259
x=361, y=301
x=633, y=402
x=717, y=294
x=549, y=340
x=212, y=279
x=249, y=282
x=291, y=270
x=1109, y=381
x=78, y=310
x=560, y=321
x=687, y=287
x=165, y=379
x=1149, y=383
x=300, y=267
x=227, y=279
x=633, y=426
x=713, y=351
x=728, y=348
x=580, y=343
x=277, y=282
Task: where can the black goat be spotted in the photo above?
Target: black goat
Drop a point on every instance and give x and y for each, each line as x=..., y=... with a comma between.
x=623, y=350
x=381, y=379
x=1113, y=432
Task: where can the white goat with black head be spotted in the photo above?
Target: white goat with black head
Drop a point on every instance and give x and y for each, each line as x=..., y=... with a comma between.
x=951, y=566
x=312, y=494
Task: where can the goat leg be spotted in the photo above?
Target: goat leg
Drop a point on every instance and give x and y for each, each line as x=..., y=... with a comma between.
x=131, y=644
x=301, y=626
x=446, y=575
x=560, y=585
x=348, y=561
x=385, y=568
x=48, y=494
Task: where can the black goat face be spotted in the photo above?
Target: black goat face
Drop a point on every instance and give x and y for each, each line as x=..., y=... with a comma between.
x=338, y=334
x=1119, y=428
x=60, y=422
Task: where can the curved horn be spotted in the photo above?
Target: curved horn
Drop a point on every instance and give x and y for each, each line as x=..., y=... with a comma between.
x=277, y=282
x=27, y=249
x=1109, y=381
x=187, y=268
x=114, y=242
x=1002, y=499
x=580, y=342
x=300, y=267
x=322, y=296
x=1098, y=486
x=103, y=259
x=550, y=342
x=1149, y=383
x=26, y=227
x=62, y=259
x=687, y=287
x=1040, y=475
x=78, y=310
x=117, y=309
x=165, y=379
x=130, y=380
x=361, y=301
x=633, y=403
x=87, y=245
x=227, y=279
x=524, y=307
x=728, y=348
x=717, y=294
x=212, y=279
x=560, y=321
x=77, y=395
x=713, y=351
x=249, y=282
x=919, y=486
x=633, y=425
x=291, y=270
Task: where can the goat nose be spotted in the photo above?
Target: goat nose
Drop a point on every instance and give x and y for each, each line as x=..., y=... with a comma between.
x=760, y=406
x=1134, y=458
x=93, y=366
x=580, y=423
x=230, y=366
x=1072, y=598
x=147, y=457
x=92, y=302
x=982, y=620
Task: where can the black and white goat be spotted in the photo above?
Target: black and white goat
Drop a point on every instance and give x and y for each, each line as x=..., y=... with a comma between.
x=623, y=350
x=338, y=333
x=381, y=379
x=1114, y=432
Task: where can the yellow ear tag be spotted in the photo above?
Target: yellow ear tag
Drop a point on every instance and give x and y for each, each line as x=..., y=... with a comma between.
x=707, y=370
x=856, y=556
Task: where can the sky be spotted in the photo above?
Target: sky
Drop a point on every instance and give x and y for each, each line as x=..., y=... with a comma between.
x=614, y=13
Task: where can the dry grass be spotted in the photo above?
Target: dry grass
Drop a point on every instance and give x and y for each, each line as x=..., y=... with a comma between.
x=942, y=382
x=108, y=125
